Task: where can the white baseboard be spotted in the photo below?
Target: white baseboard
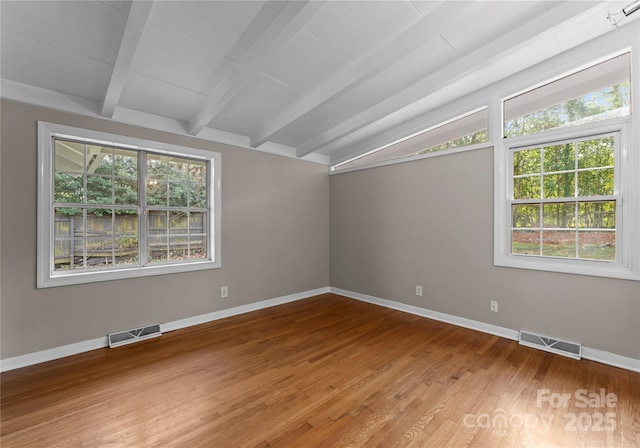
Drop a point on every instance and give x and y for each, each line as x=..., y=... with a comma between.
x=592, y=354
x=203, y=318
x=435, y=315
x=611, y=359
x=93, y=344
x=53, y=353
x=29, y=359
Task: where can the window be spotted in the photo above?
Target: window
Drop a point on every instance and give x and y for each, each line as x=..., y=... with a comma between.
x=563, y=199
x=114, y=207
x=597, y=93
x=463, y=131
x=567, y=176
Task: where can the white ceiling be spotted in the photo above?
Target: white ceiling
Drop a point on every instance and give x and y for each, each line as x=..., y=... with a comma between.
x=319, y=77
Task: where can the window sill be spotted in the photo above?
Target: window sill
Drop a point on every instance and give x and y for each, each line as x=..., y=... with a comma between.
x=75, y=278
x=567, y=266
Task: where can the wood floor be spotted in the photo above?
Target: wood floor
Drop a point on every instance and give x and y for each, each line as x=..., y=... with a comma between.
x=321, y=372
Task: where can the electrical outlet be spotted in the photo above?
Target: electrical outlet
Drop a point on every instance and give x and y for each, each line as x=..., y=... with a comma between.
x=494, y=306
x=419, y=290
x=224, y=291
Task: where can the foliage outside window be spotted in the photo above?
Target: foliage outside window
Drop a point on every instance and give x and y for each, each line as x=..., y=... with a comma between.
x=114, y=209
x=481, y=136
x=597, y=93
x=563, y=200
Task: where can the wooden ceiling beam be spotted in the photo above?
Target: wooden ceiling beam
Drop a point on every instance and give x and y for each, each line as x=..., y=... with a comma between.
x=288, y=21
x=367, y=65
x=136, y=21
x=461, y=67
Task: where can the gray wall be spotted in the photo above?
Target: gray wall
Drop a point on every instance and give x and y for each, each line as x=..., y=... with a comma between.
x=430, y=223
x=275, y=242
x=427, y=222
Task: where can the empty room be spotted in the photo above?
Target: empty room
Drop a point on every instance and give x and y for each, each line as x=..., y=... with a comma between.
x=342, y=223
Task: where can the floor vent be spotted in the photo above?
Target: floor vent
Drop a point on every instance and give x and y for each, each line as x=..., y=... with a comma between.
x=134, y=335
x=570, y=349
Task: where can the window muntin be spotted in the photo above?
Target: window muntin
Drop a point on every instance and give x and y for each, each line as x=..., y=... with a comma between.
x=597, y=93
x=115, y=207
x=563, y=202
x=463, y=131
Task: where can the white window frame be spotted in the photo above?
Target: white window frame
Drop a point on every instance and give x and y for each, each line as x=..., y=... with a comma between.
x=626, y=191
x=46, y=276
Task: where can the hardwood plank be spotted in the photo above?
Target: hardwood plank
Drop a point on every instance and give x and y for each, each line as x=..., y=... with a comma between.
x=322, y=372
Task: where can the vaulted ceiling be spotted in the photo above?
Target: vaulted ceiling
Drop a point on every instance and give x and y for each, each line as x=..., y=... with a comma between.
x=314, y=79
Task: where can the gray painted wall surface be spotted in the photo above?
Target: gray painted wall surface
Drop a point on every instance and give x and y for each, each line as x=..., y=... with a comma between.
x=430, y=223
x=275, y=242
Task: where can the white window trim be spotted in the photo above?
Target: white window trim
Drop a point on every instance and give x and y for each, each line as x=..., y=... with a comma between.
x=627, y=265
x=446, y=152
x=335, y=168
x=46, y=277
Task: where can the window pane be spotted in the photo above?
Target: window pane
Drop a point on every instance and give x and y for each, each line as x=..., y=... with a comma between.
x=69, y=157
x=157, y=223
x=62, y=226
x=559, y=185
x=157, y=192
x=178, y=195
x=63, y=229
x=99, y=252
x=597, y=245
x=525, y=242
x=559, y=243
x=526, y=187
x=197, y=244
x=197, y=184
x=470, y=139
x=100, y=190
x=126, y=222
x=596, y=93
x=99, y=160
x=179, y=247
x=62, y=253
x=157, y=167
x=126, y=252
x=560, y=215
x=178, y=223
x=197, y=222
x=526, y=161
x=126, y=191
x=595, y=183
x=68, y=188
x=126, y=237
x=597, y=215
x=197, y=195
x=178, y=169
x=158, y=249
x=126, y=177
x=100, y=224
x=197, y=235
x=596, y=153
x=525, y=215
x=559, y=158
x=126, y=163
